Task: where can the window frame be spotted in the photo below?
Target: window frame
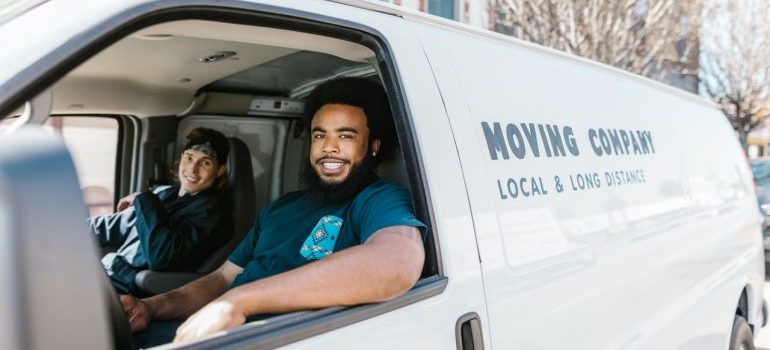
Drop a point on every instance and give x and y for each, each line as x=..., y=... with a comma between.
x=288, y=328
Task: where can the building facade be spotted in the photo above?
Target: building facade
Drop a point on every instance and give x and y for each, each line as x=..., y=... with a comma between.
x=473, y=12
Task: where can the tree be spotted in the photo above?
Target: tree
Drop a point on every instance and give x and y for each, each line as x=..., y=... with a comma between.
x=649, y=37
x=735, y=61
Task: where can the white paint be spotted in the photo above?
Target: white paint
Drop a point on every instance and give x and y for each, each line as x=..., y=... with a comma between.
x=659, y=264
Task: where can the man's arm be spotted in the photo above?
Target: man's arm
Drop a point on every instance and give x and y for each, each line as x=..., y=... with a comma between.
x=168, y=244
x=181, y=302
x=110, y=230
x=384, y=267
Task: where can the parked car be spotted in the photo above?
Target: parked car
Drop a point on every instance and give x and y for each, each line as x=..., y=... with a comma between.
x=570, y=205
x=761, y=171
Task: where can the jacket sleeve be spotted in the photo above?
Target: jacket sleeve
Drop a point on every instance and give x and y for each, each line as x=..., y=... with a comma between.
x=111, y=230
x=166, y=246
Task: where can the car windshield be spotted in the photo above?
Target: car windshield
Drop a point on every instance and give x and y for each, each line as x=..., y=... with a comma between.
x=761, y=171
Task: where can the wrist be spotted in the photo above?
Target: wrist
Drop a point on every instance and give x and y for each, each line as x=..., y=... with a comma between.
x=151, y=308
x=236, y=300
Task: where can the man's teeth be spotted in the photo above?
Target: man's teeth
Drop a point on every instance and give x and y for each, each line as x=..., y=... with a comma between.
x=332, y=165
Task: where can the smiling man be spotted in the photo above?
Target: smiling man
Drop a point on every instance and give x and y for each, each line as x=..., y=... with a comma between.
x=347, y=238
x=173, y=227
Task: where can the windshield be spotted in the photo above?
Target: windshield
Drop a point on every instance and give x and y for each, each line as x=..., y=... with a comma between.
x=761, y=171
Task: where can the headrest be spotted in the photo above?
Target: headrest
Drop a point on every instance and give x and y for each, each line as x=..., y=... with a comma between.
x=238, y=157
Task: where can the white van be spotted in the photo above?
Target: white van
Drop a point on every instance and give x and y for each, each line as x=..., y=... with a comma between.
x=571, y=205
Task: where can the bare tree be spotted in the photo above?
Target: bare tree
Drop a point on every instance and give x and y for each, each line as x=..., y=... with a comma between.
x=648, y=37
x=735, y=61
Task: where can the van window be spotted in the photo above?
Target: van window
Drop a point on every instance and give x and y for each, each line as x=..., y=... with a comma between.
x=92, y=142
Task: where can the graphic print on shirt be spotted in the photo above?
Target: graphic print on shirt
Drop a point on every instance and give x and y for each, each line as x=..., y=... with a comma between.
x=320, y=242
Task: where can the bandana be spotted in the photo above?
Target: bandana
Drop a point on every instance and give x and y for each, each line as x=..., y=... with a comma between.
x=205, y=148
x=210, y=146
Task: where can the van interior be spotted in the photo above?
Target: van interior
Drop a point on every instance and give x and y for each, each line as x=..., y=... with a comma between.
x=125, y=110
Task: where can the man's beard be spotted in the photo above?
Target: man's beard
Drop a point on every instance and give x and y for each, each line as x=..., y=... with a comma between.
x=360, y=176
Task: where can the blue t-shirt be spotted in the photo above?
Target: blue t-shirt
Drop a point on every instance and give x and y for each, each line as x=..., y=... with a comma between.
x=296, y=229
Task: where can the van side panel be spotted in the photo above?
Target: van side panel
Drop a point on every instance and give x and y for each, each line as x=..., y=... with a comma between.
x=723, y=212
x=580, y=180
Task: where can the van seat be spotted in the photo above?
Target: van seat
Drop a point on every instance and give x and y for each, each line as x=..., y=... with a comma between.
x=394, y=170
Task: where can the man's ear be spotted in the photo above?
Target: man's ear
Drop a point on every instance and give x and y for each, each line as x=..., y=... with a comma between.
x=221, y=170
x=375, y=146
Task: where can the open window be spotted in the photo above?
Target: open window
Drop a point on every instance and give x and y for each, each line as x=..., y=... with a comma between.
x=93, y=144
x=245, y=74
x=96, y=144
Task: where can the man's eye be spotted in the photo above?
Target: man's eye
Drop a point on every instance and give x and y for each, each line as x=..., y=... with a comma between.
x=318, y=136
x=346, y=136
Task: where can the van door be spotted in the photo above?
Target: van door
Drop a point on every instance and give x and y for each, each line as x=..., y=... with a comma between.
x=446, y=309
x=54, y=293
x=456, y=318
x=576, y=187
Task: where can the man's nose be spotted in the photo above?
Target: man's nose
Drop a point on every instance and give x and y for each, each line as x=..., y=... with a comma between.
x=330, y=145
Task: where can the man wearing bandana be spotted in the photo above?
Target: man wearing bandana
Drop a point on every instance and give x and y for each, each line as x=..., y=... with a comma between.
x=172, y=228
x=347, y=238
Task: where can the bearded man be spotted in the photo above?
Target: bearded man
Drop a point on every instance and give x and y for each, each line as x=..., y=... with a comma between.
x=347, y=238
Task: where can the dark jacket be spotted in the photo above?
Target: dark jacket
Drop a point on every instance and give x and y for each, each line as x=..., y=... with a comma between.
x=163, y=232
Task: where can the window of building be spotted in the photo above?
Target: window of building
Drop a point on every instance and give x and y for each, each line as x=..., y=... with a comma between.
x=443, y=8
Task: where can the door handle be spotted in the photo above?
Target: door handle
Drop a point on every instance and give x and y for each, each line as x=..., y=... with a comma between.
x=468, y=332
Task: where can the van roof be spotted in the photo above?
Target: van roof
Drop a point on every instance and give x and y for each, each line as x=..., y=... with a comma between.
x=417, y=16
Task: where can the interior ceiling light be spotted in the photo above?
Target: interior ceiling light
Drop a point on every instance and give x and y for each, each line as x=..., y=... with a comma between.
x=216, y=56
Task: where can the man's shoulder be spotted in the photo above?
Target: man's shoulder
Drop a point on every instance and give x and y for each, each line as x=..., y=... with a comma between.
x=382, y=189
x=290, y=196
x=286, y=199
x=211, y=199
x=379, y=188
x=163, y=191
x=382, y=185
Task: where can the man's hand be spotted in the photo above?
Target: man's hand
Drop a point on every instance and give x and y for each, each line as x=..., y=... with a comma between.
x=126, y=201
x=219, y=315
x=139, y=312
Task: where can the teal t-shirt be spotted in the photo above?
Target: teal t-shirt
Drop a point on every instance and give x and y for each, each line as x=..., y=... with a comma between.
x=296, y=229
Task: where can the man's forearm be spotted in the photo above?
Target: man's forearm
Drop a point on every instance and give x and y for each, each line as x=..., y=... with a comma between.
x=361, y=274
x=186, y=300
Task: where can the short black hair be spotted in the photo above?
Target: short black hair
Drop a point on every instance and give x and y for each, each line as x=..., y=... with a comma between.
x=362, y=93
